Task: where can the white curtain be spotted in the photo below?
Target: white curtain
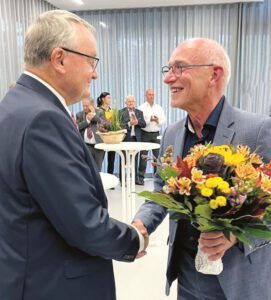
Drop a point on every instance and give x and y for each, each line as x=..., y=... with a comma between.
x=15, y=16
x=135, y=43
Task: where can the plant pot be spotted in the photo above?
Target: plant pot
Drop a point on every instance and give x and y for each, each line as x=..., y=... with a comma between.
x=112, y=137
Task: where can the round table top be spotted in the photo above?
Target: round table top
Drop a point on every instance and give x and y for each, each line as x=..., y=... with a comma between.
x=132, y=146
x=109, y=181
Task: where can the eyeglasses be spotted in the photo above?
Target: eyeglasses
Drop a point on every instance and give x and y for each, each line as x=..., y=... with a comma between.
x=93, y=61
x=178, y=69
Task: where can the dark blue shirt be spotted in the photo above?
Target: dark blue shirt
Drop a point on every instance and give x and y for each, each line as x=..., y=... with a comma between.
x=208, y=130
x=187, y=236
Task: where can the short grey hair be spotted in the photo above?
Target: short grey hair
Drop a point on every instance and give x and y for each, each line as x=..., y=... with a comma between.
x=50, y=30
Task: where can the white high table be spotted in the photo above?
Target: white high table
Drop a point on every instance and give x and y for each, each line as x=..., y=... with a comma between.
x=128, y=171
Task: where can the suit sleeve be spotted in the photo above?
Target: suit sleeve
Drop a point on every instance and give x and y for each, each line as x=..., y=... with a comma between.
x=62, y=178
x=82, y=124
x=140, y=119
x=263, y=143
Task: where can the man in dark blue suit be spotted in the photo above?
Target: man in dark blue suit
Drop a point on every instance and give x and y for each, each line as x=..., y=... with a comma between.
x=57, y=240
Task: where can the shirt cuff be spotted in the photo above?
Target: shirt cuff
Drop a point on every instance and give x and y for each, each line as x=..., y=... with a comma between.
x=141, y=239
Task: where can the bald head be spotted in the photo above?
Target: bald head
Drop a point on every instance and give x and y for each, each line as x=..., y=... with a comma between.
x=207, y=51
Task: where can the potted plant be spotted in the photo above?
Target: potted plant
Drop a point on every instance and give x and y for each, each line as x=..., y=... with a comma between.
x=110, y=129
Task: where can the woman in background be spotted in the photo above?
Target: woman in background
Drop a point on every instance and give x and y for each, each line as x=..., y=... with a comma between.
x=103, y=103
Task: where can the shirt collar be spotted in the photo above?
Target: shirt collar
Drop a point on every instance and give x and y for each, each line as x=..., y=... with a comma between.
x=212, y=119
x=59, y=97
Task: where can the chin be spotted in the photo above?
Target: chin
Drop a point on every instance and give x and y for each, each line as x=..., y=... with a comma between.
x=86, y=93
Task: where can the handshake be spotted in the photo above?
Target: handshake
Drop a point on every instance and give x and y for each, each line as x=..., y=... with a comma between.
x=142, y=229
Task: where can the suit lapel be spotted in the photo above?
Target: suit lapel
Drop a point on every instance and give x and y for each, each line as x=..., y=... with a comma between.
x=41, y=89
x=179, y=140
x=225, y=129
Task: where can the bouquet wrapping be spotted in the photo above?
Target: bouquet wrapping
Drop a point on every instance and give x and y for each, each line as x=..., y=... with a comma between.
x=222, y=188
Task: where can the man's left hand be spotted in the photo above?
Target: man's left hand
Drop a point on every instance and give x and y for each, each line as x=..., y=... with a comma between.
x=215, y=244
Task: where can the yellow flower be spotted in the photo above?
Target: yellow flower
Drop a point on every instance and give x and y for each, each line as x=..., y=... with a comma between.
x=245, y=150
x=221, y=200
x=226, y=190
x=213, y=182
x=266, y=183
x=172, y=181
x=200, y=186
x=235, y=159
x=223, y=150
x=246, y=170
x=184, y=186
x=206, y=192
x=197, y=176
x=224, y=185
x=213, y=204
x=107, y=115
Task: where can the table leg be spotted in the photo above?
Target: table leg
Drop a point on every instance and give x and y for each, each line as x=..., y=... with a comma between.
x=123, y=186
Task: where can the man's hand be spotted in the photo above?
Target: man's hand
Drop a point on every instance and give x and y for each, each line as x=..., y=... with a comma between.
x=133, y=120
x=142, y=229
x=215, y=244
x=155, y=119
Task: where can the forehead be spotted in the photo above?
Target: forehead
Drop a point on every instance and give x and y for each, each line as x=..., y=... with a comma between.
x=185, y=53
x=86, y=101
x=85, y=39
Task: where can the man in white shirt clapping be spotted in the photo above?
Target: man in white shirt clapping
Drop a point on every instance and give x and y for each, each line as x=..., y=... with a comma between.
x=155, y=118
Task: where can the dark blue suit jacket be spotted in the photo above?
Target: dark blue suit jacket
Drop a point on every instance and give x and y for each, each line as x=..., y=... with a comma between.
x=125, y=119
x=56, y=238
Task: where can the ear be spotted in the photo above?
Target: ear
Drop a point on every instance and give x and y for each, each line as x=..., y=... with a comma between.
x=216, y=75
x=58, y=60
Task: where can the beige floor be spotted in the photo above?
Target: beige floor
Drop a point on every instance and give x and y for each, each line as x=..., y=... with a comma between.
x=143, y=279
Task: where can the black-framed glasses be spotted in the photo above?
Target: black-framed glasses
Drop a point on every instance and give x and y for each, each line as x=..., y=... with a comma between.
x=178, y=68
x=92, y=60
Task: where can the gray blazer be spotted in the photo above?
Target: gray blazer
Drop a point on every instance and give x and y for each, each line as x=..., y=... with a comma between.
x=246, y=273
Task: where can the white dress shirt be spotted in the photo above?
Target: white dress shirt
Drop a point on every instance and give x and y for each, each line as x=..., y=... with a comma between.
x=152, y=110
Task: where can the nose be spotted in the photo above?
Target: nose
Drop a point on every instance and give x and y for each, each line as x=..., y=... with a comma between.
x=169, y=77
x=94, y=74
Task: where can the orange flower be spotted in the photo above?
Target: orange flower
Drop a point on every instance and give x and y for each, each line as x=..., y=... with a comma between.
x=184, y=186
x=197, y=176
x=246, y=171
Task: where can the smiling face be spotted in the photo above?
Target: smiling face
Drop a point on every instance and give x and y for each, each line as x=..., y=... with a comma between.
x=191, y=90
x=130, y=102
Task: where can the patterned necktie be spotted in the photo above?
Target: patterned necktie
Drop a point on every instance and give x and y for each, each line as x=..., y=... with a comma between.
x=74, y=121
x=89, y=132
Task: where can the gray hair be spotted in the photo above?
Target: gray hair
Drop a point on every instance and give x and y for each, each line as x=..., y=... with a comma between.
x=50, y=30
x=213, y=53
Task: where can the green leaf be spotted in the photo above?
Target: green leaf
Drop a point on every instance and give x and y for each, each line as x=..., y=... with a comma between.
x=165, y=201
x=242, y=238
x=167, y=173
x=259, y=233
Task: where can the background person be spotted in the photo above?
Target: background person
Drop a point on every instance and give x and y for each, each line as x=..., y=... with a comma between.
x=56, y=237
x=155, y=118
x=103, y=103
x=197, y=76
x=132, y=119
x=87, y=121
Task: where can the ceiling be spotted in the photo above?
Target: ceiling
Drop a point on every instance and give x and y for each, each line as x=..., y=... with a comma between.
x=74, y=5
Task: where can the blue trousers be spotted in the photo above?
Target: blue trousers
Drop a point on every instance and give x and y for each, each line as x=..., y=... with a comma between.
x=193, y=285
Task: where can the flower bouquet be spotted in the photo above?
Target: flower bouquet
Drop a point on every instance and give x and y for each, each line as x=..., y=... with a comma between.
x=221, y=188
x=110, y=129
